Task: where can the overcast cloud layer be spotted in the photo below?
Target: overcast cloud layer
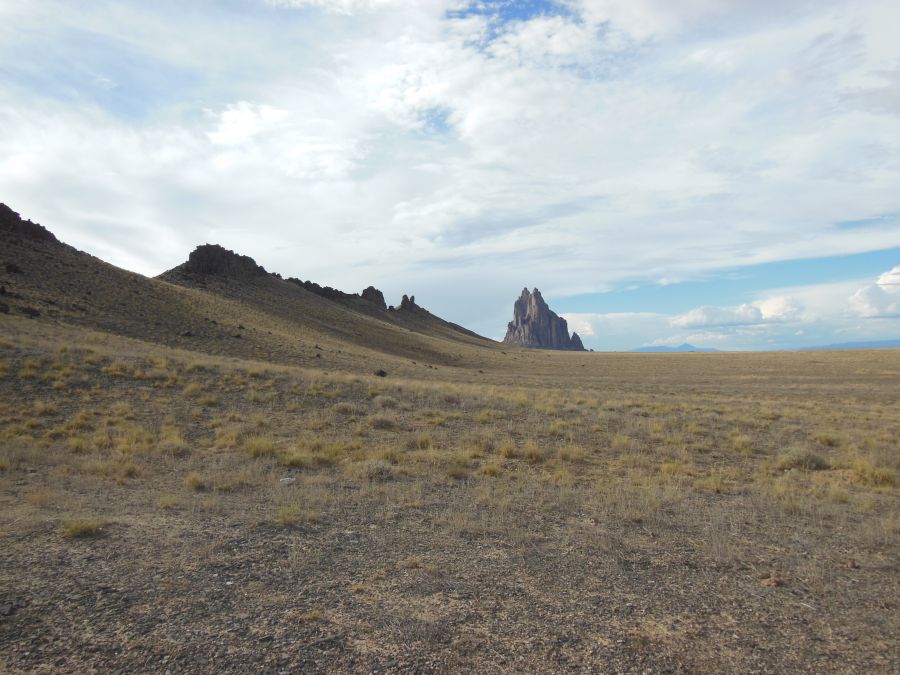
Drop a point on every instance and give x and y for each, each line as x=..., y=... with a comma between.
x=460, y=151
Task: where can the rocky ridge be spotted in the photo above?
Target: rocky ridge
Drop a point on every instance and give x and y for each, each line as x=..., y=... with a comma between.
x=12, y=223
x=535, y=325
x=217, y=261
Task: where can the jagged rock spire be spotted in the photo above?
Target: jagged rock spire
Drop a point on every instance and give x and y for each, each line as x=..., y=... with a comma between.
x=534, y=324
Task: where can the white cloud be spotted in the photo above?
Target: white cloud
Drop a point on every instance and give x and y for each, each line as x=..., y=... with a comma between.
x=337, y=6
x=779, y=308
x=881, y=299
x=580, y=324
x=242, y=121
x=379, y=141
x=718, y=316
x=890, y=280
x=767, y=310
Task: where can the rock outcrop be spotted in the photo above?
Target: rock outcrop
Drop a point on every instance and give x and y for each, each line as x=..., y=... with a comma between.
x=217, y=260
x=12, y=223
x=212, y=260
x=408, y=303
x=374, y=296
x=534, y=324
x=577, y=344
x=324, y=291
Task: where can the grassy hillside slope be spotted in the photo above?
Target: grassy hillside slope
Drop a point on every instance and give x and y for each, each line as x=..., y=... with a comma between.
x=263, y=317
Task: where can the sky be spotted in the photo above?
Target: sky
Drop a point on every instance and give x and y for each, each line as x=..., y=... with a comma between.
x=719, y=172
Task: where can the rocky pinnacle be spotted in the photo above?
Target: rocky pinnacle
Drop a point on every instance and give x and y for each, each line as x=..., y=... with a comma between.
x=534, y=324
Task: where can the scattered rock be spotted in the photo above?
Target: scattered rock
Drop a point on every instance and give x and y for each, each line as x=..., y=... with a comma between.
x=290, y=480
x=534, y=324
x=187, y=333
x=381, y=373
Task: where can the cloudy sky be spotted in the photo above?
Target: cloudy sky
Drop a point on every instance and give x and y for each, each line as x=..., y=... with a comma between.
x=722, y=172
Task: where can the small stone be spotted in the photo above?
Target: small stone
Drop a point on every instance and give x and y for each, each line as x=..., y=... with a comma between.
x=289, y=480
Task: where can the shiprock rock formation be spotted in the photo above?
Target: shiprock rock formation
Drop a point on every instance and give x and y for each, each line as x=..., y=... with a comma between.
x=534, y=324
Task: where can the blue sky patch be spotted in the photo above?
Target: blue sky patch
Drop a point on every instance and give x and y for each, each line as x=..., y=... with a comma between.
x=732, y=286
x=83, y=67
x=505, y=11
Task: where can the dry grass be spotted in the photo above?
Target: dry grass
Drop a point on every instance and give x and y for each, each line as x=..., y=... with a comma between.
x=81, y=528
x=802, y=458
x=552, y=488
x=196, y=482
x=260, y=446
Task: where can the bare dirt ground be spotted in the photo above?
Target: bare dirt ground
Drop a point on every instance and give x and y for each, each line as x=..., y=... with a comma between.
x=166, y=510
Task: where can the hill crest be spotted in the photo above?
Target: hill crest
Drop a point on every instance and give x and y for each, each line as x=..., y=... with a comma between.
x=12, y=223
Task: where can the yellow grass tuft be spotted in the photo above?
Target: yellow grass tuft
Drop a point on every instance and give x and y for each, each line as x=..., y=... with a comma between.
x=81, y=528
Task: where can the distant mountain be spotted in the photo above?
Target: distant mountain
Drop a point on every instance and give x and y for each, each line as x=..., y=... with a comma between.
x=877, y=344
x=669, y=350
